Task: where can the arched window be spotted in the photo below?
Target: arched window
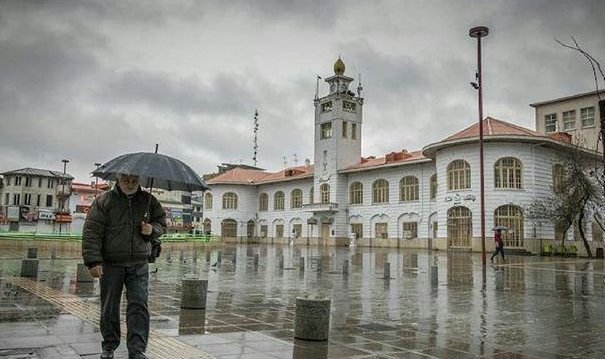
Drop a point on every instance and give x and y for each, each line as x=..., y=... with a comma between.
x=324, y=191
x=311, y=196
x=207, y=226
x=278, y=201
x=229, y=228
x=229, y=200
x=511, y=218
x=208, y=201
x=558, y=178
x=296, y=199
x=356, y=193
x=408, y=189
x=250, y=228
x=459, y=227
x=434, y=186
x=380, y=191
x=458, y=175
x=263, y=202
x=507, y=173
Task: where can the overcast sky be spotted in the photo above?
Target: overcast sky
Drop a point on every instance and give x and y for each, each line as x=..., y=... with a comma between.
x=89, y=80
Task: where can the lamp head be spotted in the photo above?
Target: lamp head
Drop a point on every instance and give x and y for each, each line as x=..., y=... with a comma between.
x=478, y=31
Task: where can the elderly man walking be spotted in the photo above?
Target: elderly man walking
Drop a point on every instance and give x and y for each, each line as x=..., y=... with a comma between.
x=116, y=246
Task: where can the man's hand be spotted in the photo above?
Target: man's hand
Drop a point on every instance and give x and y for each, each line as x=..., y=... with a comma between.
x=146, y=228
x=96, y=271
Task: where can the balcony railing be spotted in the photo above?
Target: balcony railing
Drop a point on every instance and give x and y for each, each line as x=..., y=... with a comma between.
x=318, y=207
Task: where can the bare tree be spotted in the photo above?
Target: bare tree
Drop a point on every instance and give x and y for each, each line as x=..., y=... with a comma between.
x=577, y=196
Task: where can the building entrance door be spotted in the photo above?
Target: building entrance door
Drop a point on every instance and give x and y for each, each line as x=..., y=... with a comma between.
x=325, y=233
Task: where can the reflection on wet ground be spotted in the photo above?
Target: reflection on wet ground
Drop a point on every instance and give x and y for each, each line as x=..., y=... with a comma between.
x=541, y=308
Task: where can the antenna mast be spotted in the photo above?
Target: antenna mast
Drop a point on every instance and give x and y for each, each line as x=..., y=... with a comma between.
x=255, y=147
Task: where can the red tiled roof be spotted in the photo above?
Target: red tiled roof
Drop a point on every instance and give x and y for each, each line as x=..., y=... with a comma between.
x=388, y=159
x=239, y=176
x=289, y=173
x=492, y=127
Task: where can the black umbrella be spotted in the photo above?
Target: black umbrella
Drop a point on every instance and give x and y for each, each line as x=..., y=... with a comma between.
x=154, y=170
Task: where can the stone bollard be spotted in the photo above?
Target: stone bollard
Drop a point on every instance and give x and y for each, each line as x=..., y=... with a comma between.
x=387, y=270
x=181, y=255
x=207, y=257
x=82, y=274
x=500, y=279
x=280, y=262
x=219, y=256
x=256, y=260
x=29, y=268
x=32, y=253
x=193, y=293
x=312, y=318
x=434, y=276
x=345, y=267
x=301, y=264
x=53, y=254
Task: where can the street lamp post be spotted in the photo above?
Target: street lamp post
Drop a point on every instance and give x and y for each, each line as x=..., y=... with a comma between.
x=478, y=32
x=65, y=162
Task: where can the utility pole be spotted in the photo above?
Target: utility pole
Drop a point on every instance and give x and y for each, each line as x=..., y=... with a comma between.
x=61, y=212
x=255, y=147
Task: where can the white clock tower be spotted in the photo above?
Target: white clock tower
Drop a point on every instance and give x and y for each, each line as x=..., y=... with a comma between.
x=338, y=119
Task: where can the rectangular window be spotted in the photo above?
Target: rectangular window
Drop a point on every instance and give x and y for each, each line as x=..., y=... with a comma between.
x=27, y=199
x=39, y=182
x=49, y=200
x=28, y=181
x=569, y=120
x=51, y=183
x=8, y=181
x=279, y=231
x=550, y=123
x=18, y=181
x=326, y=130
x=381, y=230
x=587, y=115
x=7, y=197
x=344, y=129
x=38, y=201
x=357, y=228
x=353, y=131
x=410, y=230
x=16, y=199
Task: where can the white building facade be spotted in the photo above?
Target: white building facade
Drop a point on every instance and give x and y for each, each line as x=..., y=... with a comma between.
x=422, y=199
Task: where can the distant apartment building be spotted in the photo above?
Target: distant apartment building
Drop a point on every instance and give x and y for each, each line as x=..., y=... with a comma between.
x=82, y=196
x=29, y=195
x=577, y=115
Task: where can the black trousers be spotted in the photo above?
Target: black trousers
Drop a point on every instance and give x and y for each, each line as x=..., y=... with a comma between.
x=498, y=249
x=136, y=280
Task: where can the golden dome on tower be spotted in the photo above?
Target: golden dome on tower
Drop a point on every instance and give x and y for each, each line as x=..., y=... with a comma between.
x=339, y=67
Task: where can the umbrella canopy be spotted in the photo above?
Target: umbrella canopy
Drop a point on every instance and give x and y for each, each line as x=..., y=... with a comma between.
x=167, y=173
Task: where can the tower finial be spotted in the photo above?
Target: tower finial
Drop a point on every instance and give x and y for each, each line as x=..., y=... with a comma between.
x=359, y=87
x=339, y=67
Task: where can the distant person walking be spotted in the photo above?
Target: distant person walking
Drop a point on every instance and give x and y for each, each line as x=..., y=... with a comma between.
x=499, y=244
x=116, y=247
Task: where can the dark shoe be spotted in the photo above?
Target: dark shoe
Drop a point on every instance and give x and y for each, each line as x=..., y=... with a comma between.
x=107, y=354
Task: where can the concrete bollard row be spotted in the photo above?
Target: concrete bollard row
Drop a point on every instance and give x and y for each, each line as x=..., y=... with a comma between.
x=387, y=270
x=29, y=268
x=312, y=318
x=82, y=274
x=193, y=293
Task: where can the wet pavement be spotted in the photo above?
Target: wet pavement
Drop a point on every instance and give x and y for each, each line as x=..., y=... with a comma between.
x=530, y=307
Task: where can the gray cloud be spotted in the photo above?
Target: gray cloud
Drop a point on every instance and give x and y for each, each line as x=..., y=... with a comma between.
x=90, y=80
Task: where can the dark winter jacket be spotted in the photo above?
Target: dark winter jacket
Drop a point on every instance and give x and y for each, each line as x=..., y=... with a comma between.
x=112, y=231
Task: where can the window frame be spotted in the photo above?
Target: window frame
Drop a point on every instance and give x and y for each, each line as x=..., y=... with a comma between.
x=229, y=201
x=458, y=178
x=434, y=187
x=550, y=120
x=584, y=116
x=296, y=198
x=324, y=193
x=325, y=130
x=409, y=189
x=279, y=201
x=569, y=120
x=356, y=194
x=508, y=176
x=380, y=194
